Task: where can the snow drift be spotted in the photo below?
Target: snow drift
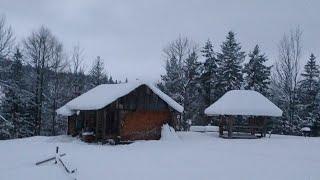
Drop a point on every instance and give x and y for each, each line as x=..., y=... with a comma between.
x=168, y=133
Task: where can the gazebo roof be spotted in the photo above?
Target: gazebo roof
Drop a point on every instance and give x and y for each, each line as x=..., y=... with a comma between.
x=243, y=102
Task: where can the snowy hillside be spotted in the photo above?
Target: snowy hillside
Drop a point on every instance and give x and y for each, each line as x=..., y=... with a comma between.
x=192, y=156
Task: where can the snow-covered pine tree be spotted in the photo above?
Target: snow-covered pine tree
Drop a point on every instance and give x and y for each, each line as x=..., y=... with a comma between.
x=316, y=114
x=15, y=103
x=308, y=90
x=5, y=128
x=257, y=74
x=110, y=81
x=173, y=81
x=192, y=90
x=209, y=75
x=230, y=60
x=97, y=73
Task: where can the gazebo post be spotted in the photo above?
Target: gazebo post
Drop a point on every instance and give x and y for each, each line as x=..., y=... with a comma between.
x=221, y=123
x=230, y=124
x=264, y=131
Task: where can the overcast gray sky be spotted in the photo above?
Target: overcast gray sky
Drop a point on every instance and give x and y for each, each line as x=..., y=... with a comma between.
x=129, y=35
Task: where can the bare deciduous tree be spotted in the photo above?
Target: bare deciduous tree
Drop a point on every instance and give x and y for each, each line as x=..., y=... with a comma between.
x=39, y=47
x=58, y=65
x=77, y=59
x=179, y=49
x=285, y=77
x=6, y=38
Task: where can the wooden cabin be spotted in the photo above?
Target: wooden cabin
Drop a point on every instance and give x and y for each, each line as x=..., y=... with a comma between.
x=243, y=114
x=125, y=112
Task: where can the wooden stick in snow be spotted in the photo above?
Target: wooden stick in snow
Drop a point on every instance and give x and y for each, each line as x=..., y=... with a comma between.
x=57, y=155
x=49, y=159
x=65, y=167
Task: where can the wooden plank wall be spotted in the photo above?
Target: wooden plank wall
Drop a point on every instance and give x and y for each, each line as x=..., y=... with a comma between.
x=138, y=115
x=143, y=125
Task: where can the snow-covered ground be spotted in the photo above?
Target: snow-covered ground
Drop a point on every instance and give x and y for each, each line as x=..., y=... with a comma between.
x=196, y=156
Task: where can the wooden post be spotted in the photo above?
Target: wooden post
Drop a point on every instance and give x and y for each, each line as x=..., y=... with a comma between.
x=57, y=155
x=230, y=124
x=221, y=123
x=264, y=131
x=49, y=159
x=103, y=118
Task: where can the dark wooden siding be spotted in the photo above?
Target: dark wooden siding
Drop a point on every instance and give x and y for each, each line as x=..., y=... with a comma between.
x=72, y=125
x=141, y=98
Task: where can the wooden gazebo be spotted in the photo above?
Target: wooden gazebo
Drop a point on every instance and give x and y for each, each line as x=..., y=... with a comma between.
x=252, y=106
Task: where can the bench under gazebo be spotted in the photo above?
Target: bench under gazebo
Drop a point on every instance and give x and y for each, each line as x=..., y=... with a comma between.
x=252, y=107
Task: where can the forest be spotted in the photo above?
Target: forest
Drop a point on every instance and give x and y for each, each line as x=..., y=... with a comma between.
x=38, y=75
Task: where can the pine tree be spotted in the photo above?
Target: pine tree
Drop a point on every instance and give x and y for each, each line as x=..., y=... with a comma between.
x=192, y=70
x=97, y=73
x=209, y=76
x=110, y=81
x=16, y=101
x=316, y=115
x=308, y=90
x=5, y=128
x=230, y=60
x=257, y=74
x=173, y=81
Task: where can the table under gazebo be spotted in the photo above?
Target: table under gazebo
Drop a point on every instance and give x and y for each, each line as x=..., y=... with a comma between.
x=252, y=107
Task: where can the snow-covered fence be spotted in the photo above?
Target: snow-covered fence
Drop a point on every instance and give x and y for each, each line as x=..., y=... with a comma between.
x=204, y=128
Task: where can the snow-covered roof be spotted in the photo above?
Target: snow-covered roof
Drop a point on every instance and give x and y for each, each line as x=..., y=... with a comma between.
x=65, y=111
x=305, y=129
x=243, y=102
x=105, y=94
